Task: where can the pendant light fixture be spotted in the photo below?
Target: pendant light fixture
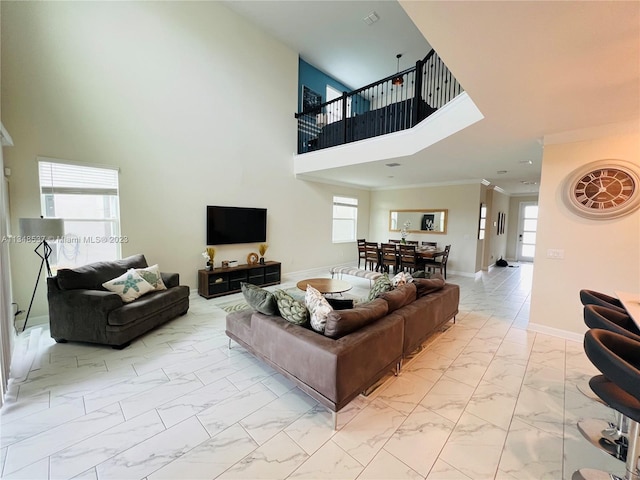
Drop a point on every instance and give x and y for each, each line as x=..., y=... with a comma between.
x=398, y=80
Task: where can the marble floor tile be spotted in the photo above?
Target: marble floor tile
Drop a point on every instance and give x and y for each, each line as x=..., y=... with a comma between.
x=404, y=392
x=493, y=404
x=443, y=471
x=448, y=397
x=156, y=396
x=314, y=428
x=41, y=421
x=542, y=410
x=484, y=398
x=385, y=466
x=211, y=458
x=145, y=458
x=275, y=416
x=473, y=447
x=276, y=459
x=44, y=444
x=196, y=401
x=530, y=453
x=234, y=408
x=83, y=455
x=330, y=462
x=419, y=440
x=366, y=434
x=120, y=391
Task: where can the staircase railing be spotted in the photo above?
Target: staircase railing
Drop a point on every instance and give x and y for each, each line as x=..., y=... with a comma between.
x=395, y=103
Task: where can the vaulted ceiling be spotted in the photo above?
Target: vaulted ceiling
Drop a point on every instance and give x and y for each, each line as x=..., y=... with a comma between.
x=533, y=69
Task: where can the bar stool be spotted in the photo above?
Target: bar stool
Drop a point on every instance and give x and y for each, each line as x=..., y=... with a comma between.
x=616, y=356
x=591, y=297
x=608, y=436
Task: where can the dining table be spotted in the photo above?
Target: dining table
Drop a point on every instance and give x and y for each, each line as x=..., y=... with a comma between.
x=423, y=253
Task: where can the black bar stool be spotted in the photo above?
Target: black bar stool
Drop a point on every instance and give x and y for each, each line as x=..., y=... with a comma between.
x=618, y=359
x=608, y=436
x=591, y=297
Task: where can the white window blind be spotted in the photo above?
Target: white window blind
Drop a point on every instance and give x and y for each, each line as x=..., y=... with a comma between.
x=86, y=198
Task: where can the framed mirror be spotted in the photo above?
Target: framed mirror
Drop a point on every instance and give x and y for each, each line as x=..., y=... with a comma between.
x=420, y=220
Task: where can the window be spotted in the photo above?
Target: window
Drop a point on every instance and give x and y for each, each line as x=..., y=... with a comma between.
x=345, y=219
x=86, y=198
x=483, y=221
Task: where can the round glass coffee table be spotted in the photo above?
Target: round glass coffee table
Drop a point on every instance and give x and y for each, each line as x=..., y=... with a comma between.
x=324, y=285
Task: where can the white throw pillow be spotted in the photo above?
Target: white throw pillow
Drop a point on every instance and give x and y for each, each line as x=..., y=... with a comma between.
x=152, y=276
x=318, y=307
x=401, y=278
x=130, y=285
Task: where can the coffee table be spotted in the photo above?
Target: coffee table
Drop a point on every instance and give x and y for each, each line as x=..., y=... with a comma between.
x=324, y=285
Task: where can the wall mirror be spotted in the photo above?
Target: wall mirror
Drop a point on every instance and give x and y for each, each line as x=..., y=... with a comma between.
x=421, y=220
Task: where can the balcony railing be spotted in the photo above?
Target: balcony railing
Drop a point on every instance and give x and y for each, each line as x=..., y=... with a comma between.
x=386, y=106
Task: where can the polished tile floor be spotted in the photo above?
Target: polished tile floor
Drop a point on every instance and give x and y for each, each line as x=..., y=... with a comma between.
x=485, y=399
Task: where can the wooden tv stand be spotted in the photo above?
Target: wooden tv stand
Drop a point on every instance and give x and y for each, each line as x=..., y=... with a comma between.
x=224, y=281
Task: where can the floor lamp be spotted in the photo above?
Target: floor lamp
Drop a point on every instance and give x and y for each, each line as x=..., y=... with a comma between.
x=41, y=228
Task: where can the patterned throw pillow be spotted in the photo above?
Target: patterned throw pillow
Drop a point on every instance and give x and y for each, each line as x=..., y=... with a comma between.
x=130, y=285
x=401, y=278
x=318, y=307
x=152, y=276
x=382, y=284
x=259, y=299
x=290, y=309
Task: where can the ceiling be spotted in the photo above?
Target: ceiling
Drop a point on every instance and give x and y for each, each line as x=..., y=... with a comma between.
x=532, y=68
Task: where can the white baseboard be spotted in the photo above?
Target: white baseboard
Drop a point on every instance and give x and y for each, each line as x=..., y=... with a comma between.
x=556, y=332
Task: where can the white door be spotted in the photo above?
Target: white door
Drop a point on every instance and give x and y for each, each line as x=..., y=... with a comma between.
x=527, y=226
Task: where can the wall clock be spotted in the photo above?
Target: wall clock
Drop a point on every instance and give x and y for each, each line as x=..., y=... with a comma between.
x=252, y=258
x=603, y=189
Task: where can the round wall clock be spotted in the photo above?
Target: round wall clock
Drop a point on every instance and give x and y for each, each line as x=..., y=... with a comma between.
x=252, y=258
x=603, y=189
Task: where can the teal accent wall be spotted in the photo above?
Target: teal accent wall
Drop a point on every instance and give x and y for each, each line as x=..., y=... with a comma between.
x=317, y=81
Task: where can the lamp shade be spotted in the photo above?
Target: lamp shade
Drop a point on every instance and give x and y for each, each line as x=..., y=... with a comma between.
x=42, y=227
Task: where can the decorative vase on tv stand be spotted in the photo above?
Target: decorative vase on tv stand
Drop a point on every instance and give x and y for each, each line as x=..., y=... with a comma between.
x=262, y=248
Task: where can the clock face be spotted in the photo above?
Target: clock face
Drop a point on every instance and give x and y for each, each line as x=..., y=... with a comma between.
x=606, y=189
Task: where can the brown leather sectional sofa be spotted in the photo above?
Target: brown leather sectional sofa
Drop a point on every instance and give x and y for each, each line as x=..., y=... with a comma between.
x=336, y=370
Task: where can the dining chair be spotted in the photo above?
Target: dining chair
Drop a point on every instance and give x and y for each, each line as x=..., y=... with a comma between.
x=429, y=244
x=439, y=263
x=408, y=257
x=362, y=252
x=389, y=257
x=411, y=242
x=392, y=240
x=372, y=255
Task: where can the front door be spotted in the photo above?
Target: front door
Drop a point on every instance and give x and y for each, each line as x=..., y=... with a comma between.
x=527, y=226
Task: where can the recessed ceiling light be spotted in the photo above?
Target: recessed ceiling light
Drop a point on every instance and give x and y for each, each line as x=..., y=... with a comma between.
x=393, y=164
x=501, y=172
x=528, y=182
x=372, y=18
x=526, y=162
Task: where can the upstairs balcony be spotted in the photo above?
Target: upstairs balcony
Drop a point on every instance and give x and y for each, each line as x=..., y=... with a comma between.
x=392, y=104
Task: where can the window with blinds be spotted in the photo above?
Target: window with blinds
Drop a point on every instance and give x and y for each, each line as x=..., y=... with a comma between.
x=86, y=198
x=345, y=219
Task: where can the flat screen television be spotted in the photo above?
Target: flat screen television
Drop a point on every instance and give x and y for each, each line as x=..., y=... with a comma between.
x=227, y=225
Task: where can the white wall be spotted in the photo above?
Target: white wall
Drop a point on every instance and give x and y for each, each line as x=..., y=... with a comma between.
x=463, y=203
x=495, y=245
x=598, y=255
x=193, y=103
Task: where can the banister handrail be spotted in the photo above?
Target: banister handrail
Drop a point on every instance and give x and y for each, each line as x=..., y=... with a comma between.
x=380, y=107
x=372, y=84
